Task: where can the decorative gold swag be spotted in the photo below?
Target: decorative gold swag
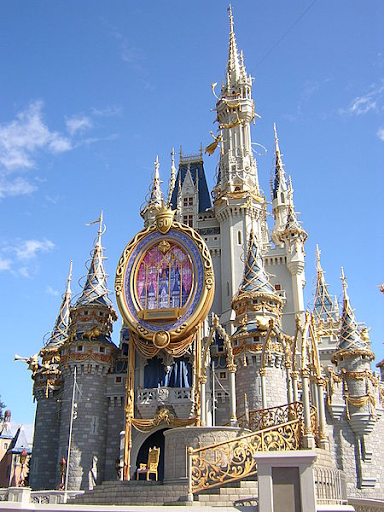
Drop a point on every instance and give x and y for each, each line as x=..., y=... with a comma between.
x=149, y=350
x=162, y=416
x=360, y=402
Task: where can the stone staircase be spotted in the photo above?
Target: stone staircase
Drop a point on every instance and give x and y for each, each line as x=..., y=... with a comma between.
x=156, y=493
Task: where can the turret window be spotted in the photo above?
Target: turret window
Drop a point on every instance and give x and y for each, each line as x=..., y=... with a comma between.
x=188, y=219
x=188, y=201
x=80, y=348
x=277, y=287
x=239, y=241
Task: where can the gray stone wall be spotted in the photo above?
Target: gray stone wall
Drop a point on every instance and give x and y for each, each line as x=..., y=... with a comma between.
x=89, y=431
x=116, y=403
x=45, y=445
x=361, y=462
x=248, y=381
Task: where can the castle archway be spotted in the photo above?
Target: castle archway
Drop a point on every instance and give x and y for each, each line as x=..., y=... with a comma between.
x=154, y=439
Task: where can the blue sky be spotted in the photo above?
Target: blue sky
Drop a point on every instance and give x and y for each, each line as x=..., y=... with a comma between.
x=92, y=91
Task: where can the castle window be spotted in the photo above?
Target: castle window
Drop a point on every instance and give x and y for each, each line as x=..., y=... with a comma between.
x=256, y=338
x=117, y=380
x=5, y=446
x=188, y=219
x=80, y=348
x=239, y=237
x=85, y=313
x=277, y=287
x=102, y=349
x=101, y=313
x=223, y=375
x=188, y=201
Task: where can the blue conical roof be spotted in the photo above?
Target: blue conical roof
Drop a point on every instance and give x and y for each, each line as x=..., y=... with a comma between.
x=255, y=278
x=60, y=331
x=350, y=338
x=95, y=291
x=323, y=306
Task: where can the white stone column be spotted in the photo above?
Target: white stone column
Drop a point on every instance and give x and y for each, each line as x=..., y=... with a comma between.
x=263, y=388
x=308, y=439
x=324, y=441
x=232, y=390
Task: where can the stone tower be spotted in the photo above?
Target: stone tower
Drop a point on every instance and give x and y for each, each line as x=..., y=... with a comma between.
x=47, y=388
x=86, y=359
x=358, y=427
x=238, y=203
x=262, y=348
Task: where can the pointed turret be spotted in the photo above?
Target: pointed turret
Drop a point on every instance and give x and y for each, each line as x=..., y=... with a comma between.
x=155, y=197
x=325, y=311
x=93, y=313
x=59, y=333
x=95, y=291
x=280, y=195
x=350, y=334
x=255, y=277
x=172, y=179
x=353, y=358
x=256, y=300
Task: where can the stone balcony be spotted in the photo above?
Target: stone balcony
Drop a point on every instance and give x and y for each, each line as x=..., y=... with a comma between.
x=148, y=400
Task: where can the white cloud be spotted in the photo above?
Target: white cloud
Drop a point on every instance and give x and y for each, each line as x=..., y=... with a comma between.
x=372, y=101
x=28, y=249
x=108, y=111
x=380, y=134
x=5, y=264
x=16, y=187
x=51, y=291
x=23, y=137
x=78, y=124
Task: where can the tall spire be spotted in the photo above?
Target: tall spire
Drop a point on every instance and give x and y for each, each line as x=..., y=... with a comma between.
x=155, y=196
x=233, y=64
x=60, y=331
x=279, y=182
x=95, y=291
x=350, y=338
x=172, y=179
x=324, y=308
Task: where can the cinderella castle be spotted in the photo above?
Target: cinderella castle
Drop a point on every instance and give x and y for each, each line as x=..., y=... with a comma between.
x=219, y=361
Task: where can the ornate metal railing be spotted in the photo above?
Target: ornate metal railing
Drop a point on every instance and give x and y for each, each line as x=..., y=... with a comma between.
x=233, y=460
x=273, y=416
x=265, y=418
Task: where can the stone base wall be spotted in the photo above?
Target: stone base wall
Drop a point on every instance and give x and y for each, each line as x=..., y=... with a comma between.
x=44, y=460
x=361, y=462
x=177, y=441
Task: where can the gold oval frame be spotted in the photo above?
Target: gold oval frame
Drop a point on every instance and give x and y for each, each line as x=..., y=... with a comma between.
x=187, y=327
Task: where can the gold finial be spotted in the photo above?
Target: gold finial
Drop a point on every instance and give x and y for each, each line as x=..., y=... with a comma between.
x=343, y=280
x=69, y=279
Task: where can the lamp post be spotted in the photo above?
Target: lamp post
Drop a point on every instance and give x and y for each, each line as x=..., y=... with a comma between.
x=23, y=458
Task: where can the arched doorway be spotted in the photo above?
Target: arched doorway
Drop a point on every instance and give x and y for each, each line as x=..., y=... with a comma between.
x=155, y=439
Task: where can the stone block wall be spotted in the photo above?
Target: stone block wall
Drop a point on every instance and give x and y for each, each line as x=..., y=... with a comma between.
x=361, y=462
x=43, y=471
x=89, y=431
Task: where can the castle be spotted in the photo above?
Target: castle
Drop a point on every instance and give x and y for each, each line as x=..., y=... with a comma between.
x=214, y=331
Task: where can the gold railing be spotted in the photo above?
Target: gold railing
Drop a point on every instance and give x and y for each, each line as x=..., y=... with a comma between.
x=265, y=418
x=233, y=460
